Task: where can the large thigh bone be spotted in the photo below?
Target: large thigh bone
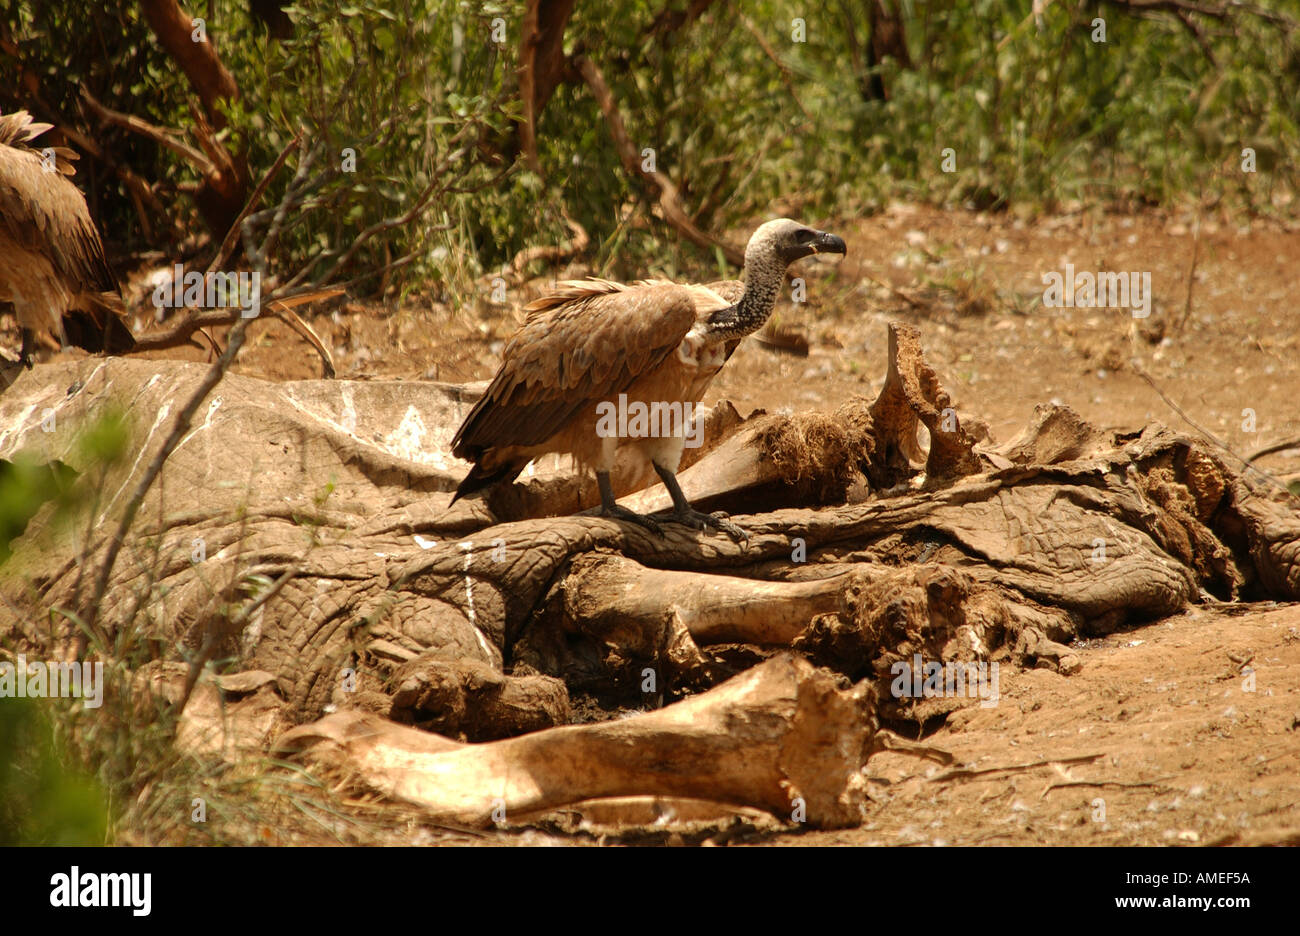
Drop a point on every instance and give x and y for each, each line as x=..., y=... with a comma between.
x=783, y=736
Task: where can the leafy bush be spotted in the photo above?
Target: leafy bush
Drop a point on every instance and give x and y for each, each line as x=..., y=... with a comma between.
x=744, y=118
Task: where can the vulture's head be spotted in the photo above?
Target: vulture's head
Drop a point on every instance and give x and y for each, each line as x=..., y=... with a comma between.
x=782, y=242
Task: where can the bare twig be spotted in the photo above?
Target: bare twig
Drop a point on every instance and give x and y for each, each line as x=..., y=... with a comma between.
x=180, y=334
x=181, y=425
x=1221, y=11
x=552, y=253
x=284, y=311
x=1275, y=447
x=1175, y=6
x=405, y=218
x=161, y=136
x=1198, y=34
x=386, y=268
x=1271, y=16
x=966, y=773
x=236, y=625
x=142, y=195
x=1191, y=272
x=888, y=741
x=232, y=235
x=440, y=184
x=782, y=68
x=1099, y=783
x=1137, y=369
x=280, y=308
x=257, y=253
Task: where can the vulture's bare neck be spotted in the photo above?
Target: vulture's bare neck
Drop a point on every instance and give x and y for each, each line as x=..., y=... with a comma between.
x=763, y=281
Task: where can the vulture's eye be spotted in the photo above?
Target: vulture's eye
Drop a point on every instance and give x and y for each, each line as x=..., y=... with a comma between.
x=803, y=236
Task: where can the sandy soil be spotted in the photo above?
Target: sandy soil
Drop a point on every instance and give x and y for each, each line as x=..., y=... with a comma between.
x=1184, y=754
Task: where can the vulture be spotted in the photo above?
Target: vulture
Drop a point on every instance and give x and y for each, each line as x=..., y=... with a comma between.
x=52, y=266
x=593, y=345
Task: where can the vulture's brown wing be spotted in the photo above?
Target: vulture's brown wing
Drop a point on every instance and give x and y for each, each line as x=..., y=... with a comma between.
x=586, y=343
x=44, y=212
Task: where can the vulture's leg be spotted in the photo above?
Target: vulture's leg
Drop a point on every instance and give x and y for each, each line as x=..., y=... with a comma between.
x=610, y=509
x=28, y=353
x=683, y=512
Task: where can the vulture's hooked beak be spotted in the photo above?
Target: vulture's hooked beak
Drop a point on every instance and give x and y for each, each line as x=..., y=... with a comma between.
x=828, y=243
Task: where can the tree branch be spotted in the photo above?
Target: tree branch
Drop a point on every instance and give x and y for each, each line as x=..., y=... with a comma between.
x=159, y=135
x=669, y=200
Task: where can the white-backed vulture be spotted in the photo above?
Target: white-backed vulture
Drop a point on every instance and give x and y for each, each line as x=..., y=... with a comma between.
x=52, y=265
x=592, y=341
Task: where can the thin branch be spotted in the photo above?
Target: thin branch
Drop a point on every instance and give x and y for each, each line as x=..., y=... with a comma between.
x=552, y=253
x=281, y=308
x=1198, y=34
x=1191, y=272
x=232, y=235
x=401, y=220
x=966, y=773
x=669, y=200
x=1207, y=433
x=1223, y=11
x=386, y=268
x=161, y=136
x=180, y=426
x=295, y=321
x=181, y=333
x=236, y=625
x=1174, y=6
x=782, y=68
x=1100, y=783
x=1270, y=16
x=141, y=192
x=257, y=253
x=1275, y=447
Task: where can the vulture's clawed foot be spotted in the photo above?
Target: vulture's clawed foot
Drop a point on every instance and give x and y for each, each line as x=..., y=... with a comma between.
x=717, y=520
x=619, y=512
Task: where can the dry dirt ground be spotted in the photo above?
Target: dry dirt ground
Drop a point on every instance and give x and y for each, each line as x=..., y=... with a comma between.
x=1183, y=753
x=1155, y=740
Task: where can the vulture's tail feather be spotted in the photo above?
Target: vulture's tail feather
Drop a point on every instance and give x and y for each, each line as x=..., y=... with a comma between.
x=480, y=479
x=98, y=325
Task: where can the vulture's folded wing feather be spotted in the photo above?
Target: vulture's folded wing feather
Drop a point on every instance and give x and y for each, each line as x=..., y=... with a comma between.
x=587, y=342
x=45, y=213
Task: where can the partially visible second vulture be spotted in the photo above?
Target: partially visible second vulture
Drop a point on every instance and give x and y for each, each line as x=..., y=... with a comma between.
x=594, y=345
x=52, y=265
